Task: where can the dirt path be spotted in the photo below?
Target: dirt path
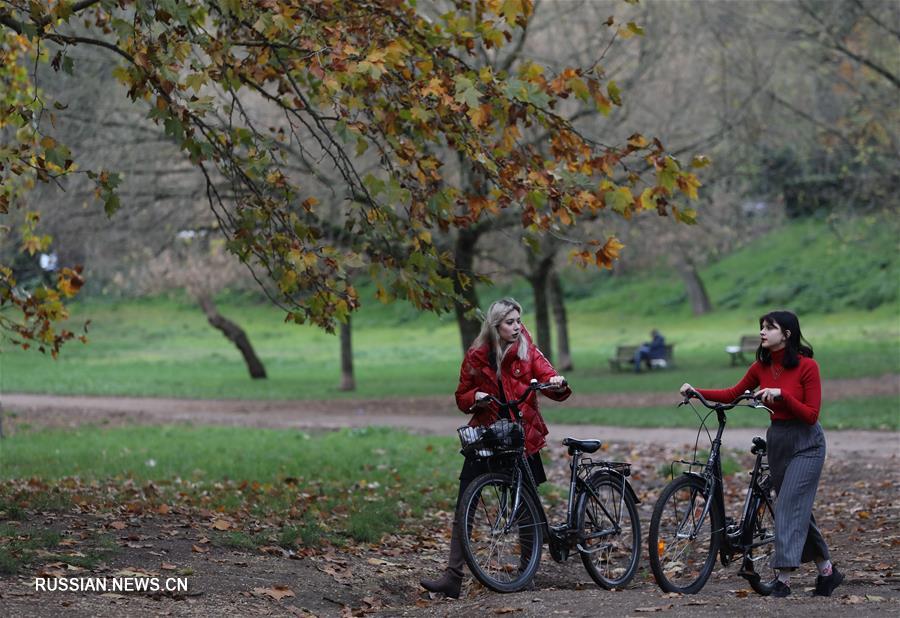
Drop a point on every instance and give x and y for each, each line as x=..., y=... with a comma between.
x=858, y=507
x=427, y=415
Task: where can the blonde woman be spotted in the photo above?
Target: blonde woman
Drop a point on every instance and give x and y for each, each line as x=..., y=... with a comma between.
x=501, y=362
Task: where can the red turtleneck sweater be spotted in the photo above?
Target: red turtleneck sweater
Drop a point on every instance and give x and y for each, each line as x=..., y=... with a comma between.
x=801, y=388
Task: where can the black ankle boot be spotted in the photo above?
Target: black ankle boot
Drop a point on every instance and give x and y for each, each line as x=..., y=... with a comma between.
x=825, y=584
x=449, y=583
x=781, y=589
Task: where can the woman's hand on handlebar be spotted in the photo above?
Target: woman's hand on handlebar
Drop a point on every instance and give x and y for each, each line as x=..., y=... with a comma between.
x=768, y=395
x=558, y=382
x=482, y=398
x=686, y=390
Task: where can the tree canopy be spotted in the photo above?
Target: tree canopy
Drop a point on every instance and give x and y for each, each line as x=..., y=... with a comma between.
x=263, y=95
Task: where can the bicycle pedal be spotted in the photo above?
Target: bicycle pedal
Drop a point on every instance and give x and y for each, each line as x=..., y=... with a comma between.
x=749, y=575
x=558, y=551
x=746, y=571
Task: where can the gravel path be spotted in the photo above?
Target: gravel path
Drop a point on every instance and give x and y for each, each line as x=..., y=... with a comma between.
x=426, y=415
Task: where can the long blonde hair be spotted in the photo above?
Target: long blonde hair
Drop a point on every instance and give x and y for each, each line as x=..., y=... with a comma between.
x=496, y=313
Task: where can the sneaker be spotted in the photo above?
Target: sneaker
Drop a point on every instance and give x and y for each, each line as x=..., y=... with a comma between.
x=825, y=584
x=781, y=589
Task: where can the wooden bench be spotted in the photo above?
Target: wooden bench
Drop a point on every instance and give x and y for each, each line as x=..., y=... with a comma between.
x=748, y=345
x=624, y=358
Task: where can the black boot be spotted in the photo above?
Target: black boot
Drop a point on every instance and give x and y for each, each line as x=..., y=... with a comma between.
x=450, y=583
x=825, y=584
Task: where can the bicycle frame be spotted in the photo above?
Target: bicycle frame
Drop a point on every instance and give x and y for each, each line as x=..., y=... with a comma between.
x=578, y=483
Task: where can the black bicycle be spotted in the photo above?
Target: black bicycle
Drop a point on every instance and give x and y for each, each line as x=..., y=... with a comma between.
x=689, y=527
x=504, y=524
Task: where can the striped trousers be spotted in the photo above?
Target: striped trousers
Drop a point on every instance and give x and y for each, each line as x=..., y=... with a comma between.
x=796, y=454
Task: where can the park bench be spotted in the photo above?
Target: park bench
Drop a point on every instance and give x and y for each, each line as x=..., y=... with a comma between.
x=624, y=358
x=748, y=345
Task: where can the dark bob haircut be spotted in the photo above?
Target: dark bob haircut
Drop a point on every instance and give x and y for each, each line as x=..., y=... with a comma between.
x=795, y=344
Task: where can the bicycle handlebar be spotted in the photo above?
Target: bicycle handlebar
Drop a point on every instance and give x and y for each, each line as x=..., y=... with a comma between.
x=534, y=385
x=722, y=407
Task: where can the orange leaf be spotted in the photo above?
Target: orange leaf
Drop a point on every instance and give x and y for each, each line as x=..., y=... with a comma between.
x=276, y=592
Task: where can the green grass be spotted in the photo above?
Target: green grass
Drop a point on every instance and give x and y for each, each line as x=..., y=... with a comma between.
x=857, y=413
x=164, y=347
x=19, y=544
x=803, y=265
x=350, y=484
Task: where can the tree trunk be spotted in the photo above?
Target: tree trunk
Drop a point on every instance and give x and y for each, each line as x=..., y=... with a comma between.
x=562, y=323
x=235, y=334
x=348, y=382
x=464, y=262
x=696, y=291
x=540, y=273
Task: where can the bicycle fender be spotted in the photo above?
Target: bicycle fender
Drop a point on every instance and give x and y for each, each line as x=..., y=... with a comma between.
x=619, y=478
x=695, y=475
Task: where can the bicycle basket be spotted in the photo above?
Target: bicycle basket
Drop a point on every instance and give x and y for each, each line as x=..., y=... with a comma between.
x=505, y=435
x=501, y=436
x=472, y=441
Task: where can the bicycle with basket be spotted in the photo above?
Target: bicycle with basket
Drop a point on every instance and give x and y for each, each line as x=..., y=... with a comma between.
x=503, y=522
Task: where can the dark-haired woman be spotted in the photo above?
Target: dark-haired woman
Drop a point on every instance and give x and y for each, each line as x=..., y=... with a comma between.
x=788, y=381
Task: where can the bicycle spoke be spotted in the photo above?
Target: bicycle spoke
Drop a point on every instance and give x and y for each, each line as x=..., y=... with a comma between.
x=609, y=534
x=683, y=541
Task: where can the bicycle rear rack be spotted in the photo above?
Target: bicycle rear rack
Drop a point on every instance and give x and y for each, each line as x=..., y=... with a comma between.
x=622, y=467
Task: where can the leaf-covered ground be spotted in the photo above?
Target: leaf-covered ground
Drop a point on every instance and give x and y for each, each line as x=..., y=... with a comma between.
x=247, y=567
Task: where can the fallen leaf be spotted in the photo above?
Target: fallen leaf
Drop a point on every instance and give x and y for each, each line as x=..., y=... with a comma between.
x=118, y=525
x=276, y=592
x=199, y=550
x=872, y=597
x=507, y=610
x=647, y=610
x=163, y=509
x=221, y=524
x=166, y=566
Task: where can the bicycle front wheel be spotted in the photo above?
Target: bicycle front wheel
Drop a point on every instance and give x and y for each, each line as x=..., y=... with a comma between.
x=758, y=558
x=609, y=532
x=501, y=540
x=683, y=541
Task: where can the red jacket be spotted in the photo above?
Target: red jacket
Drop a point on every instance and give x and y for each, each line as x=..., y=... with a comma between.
x=477, y=374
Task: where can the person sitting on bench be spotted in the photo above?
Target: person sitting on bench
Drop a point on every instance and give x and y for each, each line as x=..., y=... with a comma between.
x=653, y=350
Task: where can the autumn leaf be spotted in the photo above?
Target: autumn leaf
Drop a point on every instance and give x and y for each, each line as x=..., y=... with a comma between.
x=275, y=592
x=608, y=254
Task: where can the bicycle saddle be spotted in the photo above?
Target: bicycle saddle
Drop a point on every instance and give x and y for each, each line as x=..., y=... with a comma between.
x=585, y=446
x=759, y=445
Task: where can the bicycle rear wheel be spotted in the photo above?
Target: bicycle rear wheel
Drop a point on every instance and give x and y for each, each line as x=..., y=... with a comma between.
x=502, y=544
x=609, y=532
x=758, y=559
x=683, y=542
